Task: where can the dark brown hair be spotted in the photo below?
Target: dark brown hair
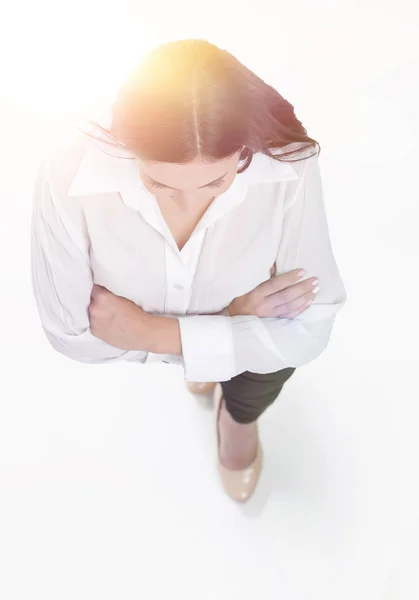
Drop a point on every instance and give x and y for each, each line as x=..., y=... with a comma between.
x=189, y=99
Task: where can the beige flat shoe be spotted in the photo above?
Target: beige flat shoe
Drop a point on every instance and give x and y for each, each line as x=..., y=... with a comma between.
x=239, y=484
x=200, y=388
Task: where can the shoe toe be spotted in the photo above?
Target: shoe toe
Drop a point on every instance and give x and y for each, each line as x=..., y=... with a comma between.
x=196, y=387
x=241, y=484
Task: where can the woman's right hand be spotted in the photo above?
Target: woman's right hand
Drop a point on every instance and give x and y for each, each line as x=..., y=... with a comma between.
x=280, y=296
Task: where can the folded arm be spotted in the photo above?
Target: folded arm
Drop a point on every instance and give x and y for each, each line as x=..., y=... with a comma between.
x=62, y=281
x=217, y=348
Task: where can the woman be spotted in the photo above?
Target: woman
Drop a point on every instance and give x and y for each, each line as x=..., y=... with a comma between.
x=157, y=238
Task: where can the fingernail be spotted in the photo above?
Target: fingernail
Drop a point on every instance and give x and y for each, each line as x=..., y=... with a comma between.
x=314, y=282
x=316, y=289
x=301, y=273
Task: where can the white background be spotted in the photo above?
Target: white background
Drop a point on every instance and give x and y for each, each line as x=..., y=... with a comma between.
x=108, y=482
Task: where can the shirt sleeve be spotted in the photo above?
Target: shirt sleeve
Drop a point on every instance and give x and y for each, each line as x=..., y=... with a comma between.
x=62, y=280
x=217, y=348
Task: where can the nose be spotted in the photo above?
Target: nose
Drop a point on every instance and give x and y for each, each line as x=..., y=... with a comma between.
x=184, y=196
x=187, y=199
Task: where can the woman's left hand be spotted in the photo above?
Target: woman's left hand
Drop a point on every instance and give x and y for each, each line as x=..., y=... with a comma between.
x=116, y=320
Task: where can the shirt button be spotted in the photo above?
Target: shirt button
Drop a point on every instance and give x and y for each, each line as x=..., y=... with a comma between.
x=178, y=287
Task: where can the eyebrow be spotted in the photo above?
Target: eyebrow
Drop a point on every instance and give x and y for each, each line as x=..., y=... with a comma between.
x=202, y=186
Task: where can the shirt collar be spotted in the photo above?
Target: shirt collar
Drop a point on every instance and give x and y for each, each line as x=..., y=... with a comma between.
x=105, y=169
x=102, y=170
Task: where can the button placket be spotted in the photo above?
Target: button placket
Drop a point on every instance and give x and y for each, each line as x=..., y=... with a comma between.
x=180, y=270
x=177, y=284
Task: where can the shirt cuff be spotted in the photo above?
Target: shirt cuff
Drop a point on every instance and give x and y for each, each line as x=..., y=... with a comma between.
x=207, y=348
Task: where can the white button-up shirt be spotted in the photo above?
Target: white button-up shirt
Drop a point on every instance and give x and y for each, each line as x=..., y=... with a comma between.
x=93, y=221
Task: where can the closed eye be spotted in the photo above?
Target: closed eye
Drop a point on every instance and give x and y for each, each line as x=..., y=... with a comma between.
x=216, y=184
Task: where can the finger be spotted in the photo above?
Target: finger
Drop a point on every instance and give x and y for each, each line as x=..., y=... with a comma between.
x=289, y=297
x=293, y=309
x=280, y=282
x=293, y=291
x=271, y=306
x=295, y=313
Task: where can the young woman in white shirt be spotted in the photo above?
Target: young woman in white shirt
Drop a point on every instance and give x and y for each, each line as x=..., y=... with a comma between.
x=176, y=232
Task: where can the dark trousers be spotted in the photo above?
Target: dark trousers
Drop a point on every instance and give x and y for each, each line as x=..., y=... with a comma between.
x=248, y=395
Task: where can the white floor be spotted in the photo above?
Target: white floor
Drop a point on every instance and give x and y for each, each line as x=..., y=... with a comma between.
x=108, y=485
x=108, y=481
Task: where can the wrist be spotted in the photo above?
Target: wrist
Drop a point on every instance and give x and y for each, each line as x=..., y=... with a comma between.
x=232, y=308
x=163, y=335
x=145, y=327
x=222, y=313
